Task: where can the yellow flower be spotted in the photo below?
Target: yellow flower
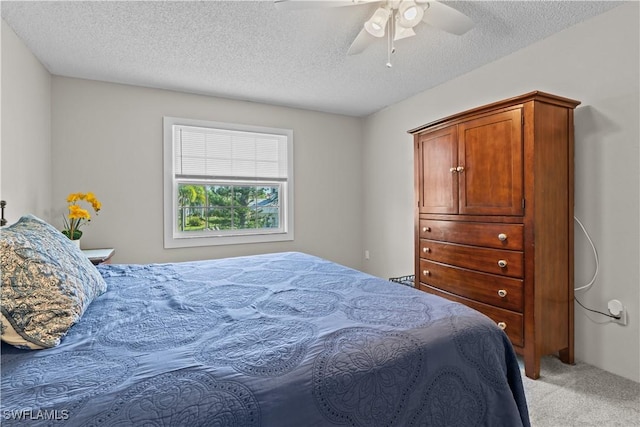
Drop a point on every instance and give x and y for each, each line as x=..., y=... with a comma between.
x=74, y=197
x=76, y=212
x=77, y=215
x=95, y=203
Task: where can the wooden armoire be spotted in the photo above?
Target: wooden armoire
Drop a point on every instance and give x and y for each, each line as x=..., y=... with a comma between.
x=494, y=218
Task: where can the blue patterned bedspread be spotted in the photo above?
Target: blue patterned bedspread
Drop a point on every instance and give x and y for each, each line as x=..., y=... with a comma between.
x=282, y=339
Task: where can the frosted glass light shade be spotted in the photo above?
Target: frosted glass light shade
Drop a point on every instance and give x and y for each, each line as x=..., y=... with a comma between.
x=378, y=21
x=410, y=14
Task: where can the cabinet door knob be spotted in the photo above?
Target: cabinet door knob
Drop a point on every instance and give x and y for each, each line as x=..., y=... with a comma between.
x=502, y=237
x=453, y=170
x=502, y=263
x=426, y=250
x=425, y=229
x=425, y=272
x=460, y=169
x=502, y=325
x=502, y=293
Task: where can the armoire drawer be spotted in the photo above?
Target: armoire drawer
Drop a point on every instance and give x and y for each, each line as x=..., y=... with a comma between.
x=500, y=291
x=509, y=321
x=493, y=235
x=496, y=261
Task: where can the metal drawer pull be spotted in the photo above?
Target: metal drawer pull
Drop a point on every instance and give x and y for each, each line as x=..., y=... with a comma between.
x=453, y=170
x=502, y=325
x=502, y=293
x=502, y=263
x=425, y=229
x=426, y=250
x=425, y=272
x=460, y=169
x=502, y=237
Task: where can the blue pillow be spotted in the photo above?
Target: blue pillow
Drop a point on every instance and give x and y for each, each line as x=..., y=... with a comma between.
x=47, y=284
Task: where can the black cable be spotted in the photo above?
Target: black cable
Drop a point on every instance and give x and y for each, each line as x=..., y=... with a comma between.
x=596, y=311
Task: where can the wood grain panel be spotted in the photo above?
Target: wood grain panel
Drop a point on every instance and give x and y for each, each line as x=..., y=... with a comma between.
x=513, y=321
x=553, y=247
x=473, y=233
x=490, y=153
x=439, y=187
x=475, y=258
x=473, y=285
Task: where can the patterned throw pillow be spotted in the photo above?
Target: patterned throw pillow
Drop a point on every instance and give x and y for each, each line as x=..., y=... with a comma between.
x=47, y=284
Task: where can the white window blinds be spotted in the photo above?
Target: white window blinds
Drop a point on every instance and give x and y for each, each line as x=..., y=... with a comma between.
x=229, y=154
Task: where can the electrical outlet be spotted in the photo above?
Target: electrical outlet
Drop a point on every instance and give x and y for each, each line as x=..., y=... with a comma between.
x=366, y=254
x=617, y=309
x=622, y=317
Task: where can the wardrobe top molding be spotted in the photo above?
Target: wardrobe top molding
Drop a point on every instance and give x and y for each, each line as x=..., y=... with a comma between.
x=505, y=103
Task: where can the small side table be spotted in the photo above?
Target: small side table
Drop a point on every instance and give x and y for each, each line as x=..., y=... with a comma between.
x=99, y=256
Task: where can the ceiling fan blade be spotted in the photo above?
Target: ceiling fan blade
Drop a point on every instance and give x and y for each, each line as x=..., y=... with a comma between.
x=316, y=4
x=447, y=18
x=361, y=42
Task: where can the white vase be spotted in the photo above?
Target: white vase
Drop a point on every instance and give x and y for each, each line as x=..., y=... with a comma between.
x=77, y=243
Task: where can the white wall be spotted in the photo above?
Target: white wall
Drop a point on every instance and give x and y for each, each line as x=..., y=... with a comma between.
x=596, y=62
x=25, y=166
x=107, y=138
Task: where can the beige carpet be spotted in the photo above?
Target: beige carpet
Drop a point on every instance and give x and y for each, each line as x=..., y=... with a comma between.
x=581, y=395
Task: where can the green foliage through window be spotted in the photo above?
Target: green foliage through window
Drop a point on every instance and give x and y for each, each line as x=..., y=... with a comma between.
x=228, y=207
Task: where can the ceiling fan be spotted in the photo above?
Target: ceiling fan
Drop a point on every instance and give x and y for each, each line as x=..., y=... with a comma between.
x=394, y=18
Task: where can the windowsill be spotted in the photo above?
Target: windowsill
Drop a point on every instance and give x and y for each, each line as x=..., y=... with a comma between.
x=190, y=242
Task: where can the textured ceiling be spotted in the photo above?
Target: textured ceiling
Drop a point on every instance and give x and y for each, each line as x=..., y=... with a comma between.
x=253, y=51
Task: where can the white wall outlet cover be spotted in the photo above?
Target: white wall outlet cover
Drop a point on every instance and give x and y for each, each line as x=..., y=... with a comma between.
x=615, y=307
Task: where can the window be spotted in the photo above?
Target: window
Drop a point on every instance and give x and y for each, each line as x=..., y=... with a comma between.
x=226, y=183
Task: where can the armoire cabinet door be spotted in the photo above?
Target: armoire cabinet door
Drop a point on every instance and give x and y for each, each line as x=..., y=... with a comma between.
x=438, y=189
x=490, y=152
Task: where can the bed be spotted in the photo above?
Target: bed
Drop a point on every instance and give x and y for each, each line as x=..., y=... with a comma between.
x=283, y=339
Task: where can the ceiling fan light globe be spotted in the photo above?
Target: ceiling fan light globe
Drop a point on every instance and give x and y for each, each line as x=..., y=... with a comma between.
x=403, y=33
x=374, y=29
x=410, y=14
x=378, y=21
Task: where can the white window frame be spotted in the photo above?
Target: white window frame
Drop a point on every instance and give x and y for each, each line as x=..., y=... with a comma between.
x=173, y=238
